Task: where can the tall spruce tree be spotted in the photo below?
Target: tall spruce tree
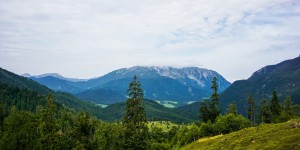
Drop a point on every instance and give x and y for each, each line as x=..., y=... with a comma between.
x=204, y=110
x=214, y=105
x=134, y=121
x=48, y=125
x=265, y=111
x=251, y=109
x=275, y=106
x=209, y=110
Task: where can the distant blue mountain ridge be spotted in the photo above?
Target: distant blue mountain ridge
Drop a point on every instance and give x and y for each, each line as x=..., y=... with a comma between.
x=180, y=85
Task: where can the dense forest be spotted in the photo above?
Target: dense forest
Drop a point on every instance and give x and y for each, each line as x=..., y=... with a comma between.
x=30, y=120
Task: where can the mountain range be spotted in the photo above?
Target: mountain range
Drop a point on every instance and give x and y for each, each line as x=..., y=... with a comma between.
x=27, y=91
x=283, y=77
x=181, y=85
x=56, y=75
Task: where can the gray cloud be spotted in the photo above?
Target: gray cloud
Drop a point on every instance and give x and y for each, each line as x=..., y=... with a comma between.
x=90, y=38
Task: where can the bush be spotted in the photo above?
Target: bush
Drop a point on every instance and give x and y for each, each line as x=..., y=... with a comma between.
x=207, y=129
x=160, y=146
x=229, y=123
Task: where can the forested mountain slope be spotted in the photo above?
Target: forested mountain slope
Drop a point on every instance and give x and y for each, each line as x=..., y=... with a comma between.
x=27, y=94
x=159, y=83
x=283, y=77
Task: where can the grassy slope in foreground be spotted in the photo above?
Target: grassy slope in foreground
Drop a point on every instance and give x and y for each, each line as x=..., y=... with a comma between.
x=266, y=136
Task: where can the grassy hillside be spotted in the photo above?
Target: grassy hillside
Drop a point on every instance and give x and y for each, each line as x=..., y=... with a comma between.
x=266, y=136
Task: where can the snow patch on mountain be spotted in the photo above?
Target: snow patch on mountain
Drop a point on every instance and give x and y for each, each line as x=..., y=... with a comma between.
x=187, y=75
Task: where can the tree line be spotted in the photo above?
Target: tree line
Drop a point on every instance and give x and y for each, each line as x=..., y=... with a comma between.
x=32, y=121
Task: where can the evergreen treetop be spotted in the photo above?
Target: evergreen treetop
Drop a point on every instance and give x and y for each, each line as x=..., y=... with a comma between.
x=135, y=121
x=209, y=110
x=275, y=106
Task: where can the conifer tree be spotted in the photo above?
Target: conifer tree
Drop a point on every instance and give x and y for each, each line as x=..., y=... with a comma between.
x=287, y=106
x=275, y=106
x=214, y=106
x=265, y=111
x=134, y=121
x=251, y=109
x=85, y=130
x=209, y=110
x=232, y=109
x=48, y=126
x=204, y=110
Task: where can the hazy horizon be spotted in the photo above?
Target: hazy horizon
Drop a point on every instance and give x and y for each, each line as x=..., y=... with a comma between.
x=87, y=39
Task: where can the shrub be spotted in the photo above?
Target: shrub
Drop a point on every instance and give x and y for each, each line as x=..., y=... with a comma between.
x=229, y=123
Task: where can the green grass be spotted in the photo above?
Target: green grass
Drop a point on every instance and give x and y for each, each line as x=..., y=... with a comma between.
x=164, y=125
x=266, y=136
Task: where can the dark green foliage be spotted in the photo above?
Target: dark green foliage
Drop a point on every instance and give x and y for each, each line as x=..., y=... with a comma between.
x=207, y=129
x=209, y=110
x=110, y=136
x=4, y=112
x=229, y=123
x=20, y=131
x=287, y=106
x=14, y=89
x=23, y=99
x=77, y=104
x=289, y=110
x=84, y=131
x=27, y=99
x=48, y=126
x=296, y=110
x=275, y=106
x=14, y=80
x=223, y=125
x=265, y=111
x=205, y=110
x=214, y=106
x=180, y=138
x=194, y=132
x=232, y=109
x=158, y=139
x=154, y=111
x=251, y=109
x=102, y=96
x=282, y=77
x=135, y=113
x=29, y=120
x=134, y=121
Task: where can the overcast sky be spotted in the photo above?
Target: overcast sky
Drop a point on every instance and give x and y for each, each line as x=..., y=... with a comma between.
x=89, y=38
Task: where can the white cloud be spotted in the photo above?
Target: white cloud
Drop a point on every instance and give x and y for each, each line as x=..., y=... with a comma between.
x=90, y=38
